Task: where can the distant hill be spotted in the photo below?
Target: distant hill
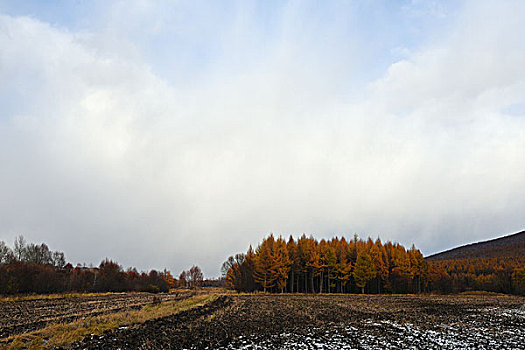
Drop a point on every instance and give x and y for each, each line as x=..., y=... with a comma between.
x=507, y=246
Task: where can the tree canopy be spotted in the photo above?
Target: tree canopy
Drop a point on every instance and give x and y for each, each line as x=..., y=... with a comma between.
x=338, y=265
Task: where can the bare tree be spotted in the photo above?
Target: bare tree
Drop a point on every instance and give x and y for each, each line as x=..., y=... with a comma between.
x=228, y=264
x=6, y=255
x=183, y=279
x=231, y=262
x=58, y=259
x=37, y=254
x=19, y=247
x=196, y=277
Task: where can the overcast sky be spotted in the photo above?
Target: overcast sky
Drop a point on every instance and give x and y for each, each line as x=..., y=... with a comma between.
x=167, y=134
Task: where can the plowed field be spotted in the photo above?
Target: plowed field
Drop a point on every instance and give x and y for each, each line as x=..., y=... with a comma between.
x=20, y=316
x=331, y=322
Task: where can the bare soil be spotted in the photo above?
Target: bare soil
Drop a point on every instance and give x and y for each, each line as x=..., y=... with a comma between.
x=21, y=316
x=331, y=322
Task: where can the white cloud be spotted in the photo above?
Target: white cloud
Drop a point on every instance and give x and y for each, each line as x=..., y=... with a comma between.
x=104, y=157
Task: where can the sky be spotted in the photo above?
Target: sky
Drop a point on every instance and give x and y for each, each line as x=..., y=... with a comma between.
x=164, y=134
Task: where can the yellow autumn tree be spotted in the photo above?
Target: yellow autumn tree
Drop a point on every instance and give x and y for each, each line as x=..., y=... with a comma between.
x=401, y=272
x=265, y=264
x=364, y=270
x=281, y=263
x=168, y=278
x=379, y=263
x=518, y=280
x=344, y=265
x=418, y=266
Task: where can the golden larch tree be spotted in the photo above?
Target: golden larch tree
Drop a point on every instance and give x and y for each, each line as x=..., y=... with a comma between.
x=364, y=270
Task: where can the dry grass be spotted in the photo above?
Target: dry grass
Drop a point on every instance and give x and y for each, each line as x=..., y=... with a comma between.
x=63, y=295
x=63, y=334
x=481, y=293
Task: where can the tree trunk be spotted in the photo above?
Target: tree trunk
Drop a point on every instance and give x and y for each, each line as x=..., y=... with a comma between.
x=306, y=281
x=321, y=283
x=363, y=290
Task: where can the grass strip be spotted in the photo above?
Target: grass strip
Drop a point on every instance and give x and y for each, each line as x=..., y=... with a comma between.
x=63, y=334
x=63, y=296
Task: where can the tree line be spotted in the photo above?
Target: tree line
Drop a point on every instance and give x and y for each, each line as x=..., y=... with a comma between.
x=495, y=274
x=307, y=265
x=33, y=268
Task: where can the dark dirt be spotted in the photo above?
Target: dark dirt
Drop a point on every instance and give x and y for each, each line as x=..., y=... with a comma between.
x=22, y=316
x=331, y=322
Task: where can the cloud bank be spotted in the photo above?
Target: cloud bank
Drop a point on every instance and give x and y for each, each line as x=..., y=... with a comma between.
x=168, y=135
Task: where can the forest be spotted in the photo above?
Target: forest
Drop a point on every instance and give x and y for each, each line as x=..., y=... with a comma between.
x=303, y=265
x=307, y=265
x=34, y=268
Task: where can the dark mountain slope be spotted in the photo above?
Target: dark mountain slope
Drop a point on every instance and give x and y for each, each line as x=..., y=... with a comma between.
x=507, y=246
